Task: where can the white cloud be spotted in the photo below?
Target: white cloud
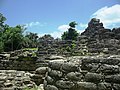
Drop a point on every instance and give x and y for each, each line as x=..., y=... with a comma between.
x=110, y=16
x=83, y=25
x=59, y=32
x=63, y=28
x=55, y=34
x=80, y=31
x=32, y=24
x=41, y=34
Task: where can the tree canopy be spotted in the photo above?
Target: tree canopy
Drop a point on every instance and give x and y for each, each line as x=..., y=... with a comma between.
x=71, y=34
x=13, y=38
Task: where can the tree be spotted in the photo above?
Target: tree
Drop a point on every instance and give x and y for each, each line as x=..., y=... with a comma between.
x=72, y=24
x=13, y=37
x=30, y=40
x=2, y=20
x=71, y=34
x=2, y=28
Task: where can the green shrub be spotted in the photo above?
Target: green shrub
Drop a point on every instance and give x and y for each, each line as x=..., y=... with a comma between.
x=1, y=47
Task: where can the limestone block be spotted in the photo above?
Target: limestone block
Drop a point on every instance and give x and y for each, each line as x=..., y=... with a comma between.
x=49, y=80
x=116, y=86
x=108, y=69
x=69, y=67
x=75, y=76
x=86, y=86
x=55, y=73
x=55, y=65
x=64, y=84
x=110, y=61
x=51, y=87
x=93, y=77
x=104, y=86
x=113, y=78
x=41, y=70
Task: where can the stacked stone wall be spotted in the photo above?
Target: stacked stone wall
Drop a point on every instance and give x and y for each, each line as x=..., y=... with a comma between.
x=91, y=74
x=23, y=63
x=15, y=80
x=63, y=47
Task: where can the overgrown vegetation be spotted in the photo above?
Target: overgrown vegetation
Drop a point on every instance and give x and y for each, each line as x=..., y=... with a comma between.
x=71, y=34
x=14, y=38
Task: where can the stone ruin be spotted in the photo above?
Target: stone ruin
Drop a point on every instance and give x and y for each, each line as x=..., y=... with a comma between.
x=89, y=73
x=93, y=63
x=101, y=40
x=94, y=40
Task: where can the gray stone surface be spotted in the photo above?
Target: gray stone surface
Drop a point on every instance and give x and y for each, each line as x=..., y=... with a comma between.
x=74, y=76
x=51, y=87
x=14, y=80
x=86, y=86
x=93, y=77
x=89, y=73
x=64, y=84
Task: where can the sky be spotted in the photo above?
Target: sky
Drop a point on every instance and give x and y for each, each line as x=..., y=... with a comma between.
x=53, y=16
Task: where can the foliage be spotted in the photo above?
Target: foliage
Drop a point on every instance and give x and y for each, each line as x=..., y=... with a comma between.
x=1, y=46
x=2, y=20
x=71, y=34
x=72, y=24
x=73, y=45
x=70, y=48
x=30, y=40
x=2, y=27
x=31, y=51
x=10, y=37
x=13, y=38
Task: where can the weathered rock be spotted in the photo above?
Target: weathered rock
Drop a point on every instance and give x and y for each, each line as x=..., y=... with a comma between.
x=69, y=67
x=86, y=86
x=74, y=76
x=41, y=70
x=116, y=86
x=93, y=26
x=55, y=73
x=38, y=79
x=116, y=31
x=55, y=65
x=64, y=84
x=110, y=61
x=15, y=80
x=108, y=69
x=49, y=80
x=51, y=87
x=113, y=78
x=93, y=77
x=8, y=84
x=54, y=57
x=104, y=86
